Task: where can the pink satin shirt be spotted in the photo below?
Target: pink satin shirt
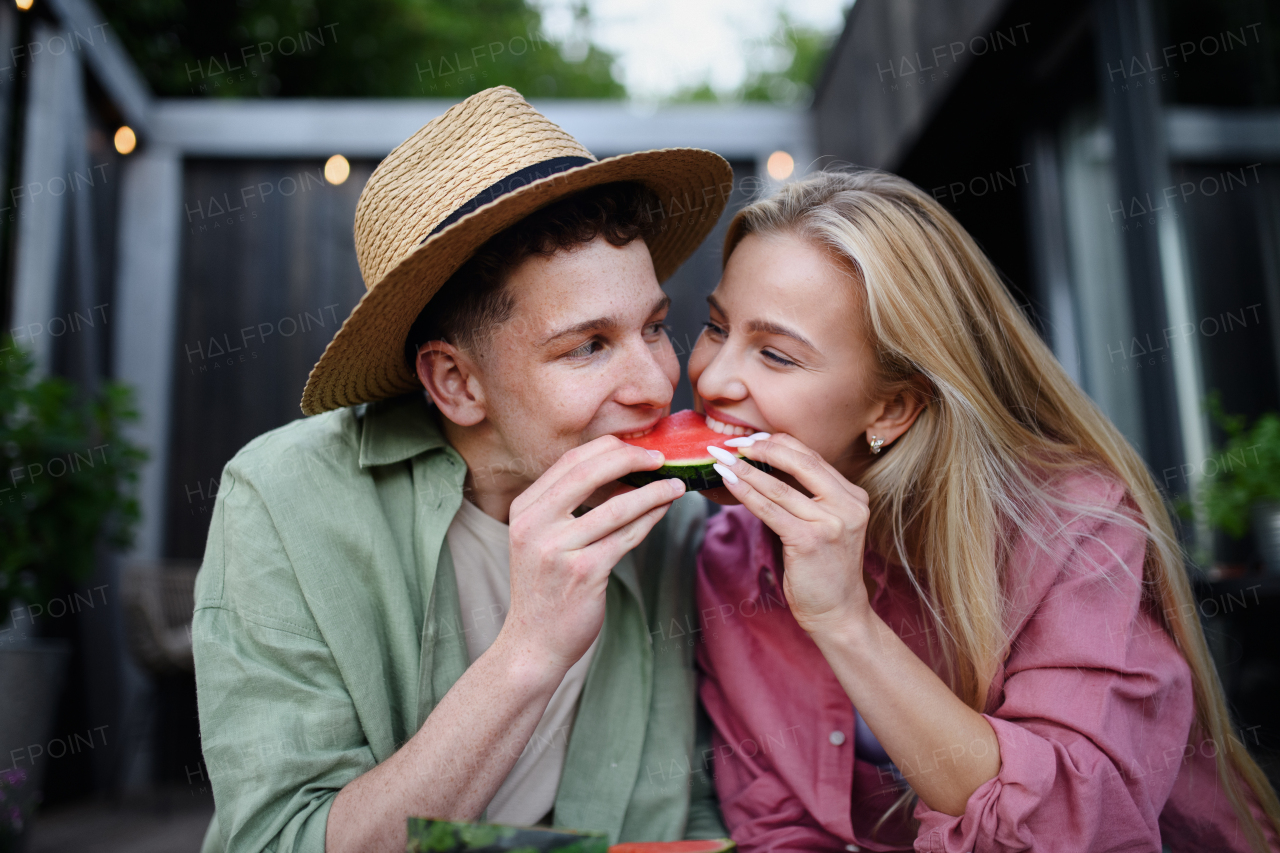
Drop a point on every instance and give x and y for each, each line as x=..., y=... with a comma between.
x=1092, y=708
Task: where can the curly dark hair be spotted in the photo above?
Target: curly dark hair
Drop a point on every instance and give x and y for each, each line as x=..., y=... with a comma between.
x=476, y=298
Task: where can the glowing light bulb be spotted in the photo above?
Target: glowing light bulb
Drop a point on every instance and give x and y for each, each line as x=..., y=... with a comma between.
x=336, y=169
x=780, y=165
x=24, y=5
x=126, y=140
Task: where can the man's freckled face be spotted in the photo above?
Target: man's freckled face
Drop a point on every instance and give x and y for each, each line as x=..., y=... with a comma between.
x=583, y=355
x=785, y=350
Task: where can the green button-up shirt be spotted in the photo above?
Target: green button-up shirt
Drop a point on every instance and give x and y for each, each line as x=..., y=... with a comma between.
x=327, y=627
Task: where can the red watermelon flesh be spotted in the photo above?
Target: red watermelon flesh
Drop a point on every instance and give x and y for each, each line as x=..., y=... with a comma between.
x=714, y=845
x=683, y=438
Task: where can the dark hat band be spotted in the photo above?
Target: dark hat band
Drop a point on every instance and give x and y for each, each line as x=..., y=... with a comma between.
x=511, y=182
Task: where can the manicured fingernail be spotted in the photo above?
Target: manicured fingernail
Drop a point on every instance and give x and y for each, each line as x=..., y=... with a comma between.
x=656, y=454
x=758, y=436
x=729, y=477
x=723, y=455
x=740, y=441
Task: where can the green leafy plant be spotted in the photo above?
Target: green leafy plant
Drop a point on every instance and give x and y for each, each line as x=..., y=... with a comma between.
x=1247, y=469
x=68, y=478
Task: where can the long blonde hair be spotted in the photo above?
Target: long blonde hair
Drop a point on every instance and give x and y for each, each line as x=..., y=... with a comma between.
x=1000, y=408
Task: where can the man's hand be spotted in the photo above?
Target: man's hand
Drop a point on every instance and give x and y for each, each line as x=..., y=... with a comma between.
x=560, y=564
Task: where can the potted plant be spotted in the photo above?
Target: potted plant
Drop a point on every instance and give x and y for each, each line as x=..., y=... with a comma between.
x=67, y=482
x=1243, y=492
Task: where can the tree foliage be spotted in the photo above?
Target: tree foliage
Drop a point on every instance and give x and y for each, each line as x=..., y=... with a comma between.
x=352, y=48
x=794, y=83
x=783, y=69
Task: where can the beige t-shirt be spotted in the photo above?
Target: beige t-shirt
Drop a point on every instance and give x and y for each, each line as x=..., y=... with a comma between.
x=480, y=548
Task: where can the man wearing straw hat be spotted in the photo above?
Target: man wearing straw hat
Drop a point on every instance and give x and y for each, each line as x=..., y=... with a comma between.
x=432, y=598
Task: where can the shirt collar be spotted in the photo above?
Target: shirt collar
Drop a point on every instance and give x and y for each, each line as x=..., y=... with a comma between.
x=403, y=427
x=398, y=429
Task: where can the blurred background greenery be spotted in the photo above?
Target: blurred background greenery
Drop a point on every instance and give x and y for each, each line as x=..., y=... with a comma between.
x=418, y=48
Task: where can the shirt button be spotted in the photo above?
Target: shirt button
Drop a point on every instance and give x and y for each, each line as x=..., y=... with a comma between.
x=836, y=738
x=852, y=848
x=768, y=577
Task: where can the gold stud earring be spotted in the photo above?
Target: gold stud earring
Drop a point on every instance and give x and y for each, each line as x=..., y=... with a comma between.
x=876, y=443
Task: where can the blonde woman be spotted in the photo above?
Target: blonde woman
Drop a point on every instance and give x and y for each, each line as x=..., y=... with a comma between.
x=955, y=617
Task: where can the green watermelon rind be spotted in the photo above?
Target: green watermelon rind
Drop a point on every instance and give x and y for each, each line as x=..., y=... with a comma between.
x=683, y=437
x=697, y=476
x=442, y=836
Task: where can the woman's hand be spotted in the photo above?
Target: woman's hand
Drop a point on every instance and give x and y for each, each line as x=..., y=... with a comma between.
x=909, y=709
x=822, y=536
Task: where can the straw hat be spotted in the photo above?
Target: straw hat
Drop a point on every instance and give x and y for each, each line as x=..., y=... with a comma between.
x=485, y=164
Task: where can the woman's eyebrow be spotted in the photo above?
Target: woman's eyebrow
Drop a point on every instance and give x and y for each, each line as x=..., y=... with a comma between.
x=767, y=327
x=771, y=328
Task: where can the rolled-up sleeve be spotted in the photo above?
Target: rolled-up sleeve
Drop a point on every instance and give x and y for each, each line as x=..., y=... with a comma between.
x=1094, y=712
x=279, y=731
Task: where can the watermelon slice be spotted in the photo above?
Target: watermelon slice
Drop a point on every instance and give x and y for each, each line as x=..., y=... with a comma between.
x=442, y=836
x=714, y=845
x=683, y=438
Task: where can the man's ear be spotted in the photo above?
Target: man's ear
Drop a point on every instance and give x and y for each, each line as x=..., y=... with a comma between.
x=450, y=377
x=900, y=412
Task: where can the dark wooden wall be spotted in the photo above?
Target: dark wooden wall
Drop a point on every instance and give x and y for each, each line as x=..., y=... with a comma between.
x=268, y=275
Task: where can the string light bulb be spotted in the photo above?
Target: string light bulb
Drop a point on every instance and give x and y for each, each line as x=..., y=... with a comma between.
x=125, y=139
x=780, y=165
x=336, y=169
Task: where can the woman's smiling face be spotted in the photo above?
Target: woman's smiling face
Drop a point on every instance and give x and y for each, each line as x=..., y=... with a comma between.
x=785, y=350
